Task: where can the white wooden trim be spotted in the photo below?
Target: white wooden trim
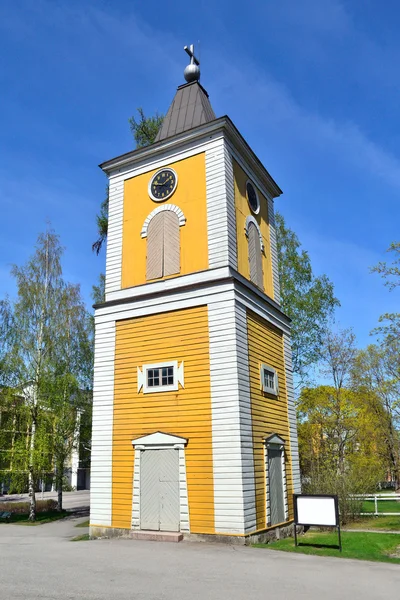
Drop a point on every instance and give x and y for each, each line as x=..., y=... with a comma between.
x=251, y=219
x=102, y=436
x=158, y=441
x=159, y=209
x=275, y=390
x=221, y=216
x=178, y=377
x=231, y=423
x=249, y=490
x=114, y=238
x=171, y=284
x=284, y=483
x=257, y=210
x=274, y=251
x=294, y=445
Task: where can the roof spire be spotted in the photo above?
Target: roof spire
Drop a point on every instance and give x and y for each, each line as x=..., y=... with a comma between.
x=192, y=71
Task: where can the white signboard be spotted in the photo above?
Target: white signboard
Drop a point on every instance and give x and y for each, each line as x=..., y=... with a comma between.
x=316, y=510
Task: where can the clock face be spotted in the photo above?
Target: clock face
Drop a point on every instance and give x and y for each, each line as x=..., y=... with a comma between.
x=163, y=184
x=252, y=197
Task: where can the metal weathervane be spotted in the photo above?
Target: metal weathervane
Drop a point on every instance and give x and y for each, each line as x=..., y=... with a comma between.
x=192, y=71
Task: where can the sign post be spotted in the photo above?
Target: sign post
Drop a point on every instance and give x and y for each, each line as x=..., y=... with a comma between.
x=316, y=511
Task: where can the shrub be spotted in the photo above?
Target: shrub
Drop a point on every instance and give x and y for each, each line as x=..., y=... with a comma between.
x=345, y=486
x=22, y=508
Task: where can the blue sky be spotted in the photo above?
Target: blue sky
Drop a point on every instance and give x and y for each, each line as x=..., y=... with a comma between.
x=313, y=86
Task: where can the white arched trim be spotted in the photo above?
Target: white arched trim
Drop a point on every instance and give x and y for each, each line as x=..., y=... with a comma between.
x=171, y=207
x=251, y=219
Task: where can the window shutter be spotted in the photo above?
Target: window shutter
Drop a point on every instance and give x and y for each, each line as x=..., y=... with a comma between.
x=255, y=257
x=155, y=243
x=171, y=243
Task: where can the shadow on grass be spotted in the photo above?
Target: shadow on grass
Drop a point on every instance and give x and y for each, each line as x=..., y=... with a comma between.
x=329, y=546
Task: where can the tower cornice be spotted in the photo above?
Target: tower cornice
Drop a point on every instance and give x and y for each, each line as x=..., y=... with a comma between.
x=222, y=125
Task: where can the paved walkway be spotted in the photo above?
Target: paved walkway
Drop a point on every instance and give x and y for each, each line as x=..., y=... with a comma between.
x=40, y=563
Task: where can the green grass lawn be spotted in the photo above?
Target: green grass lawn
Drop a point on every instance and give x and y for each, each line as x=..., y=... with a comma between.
x=41, y=518
x=390, y=523
x=383, y=506
x=363, y=546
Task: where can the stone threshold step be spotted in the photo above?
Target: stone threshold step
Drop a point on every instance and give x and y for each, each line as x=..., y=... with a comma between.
x=156, y=536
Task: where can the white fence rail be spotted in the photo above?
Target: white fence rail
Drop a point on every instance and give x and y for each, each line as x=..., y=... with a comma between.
x=376, y=499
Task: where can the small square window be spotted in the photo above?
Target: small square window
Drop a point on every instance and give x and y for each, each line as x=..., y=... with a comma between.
x=161, y=377
x=269, y=379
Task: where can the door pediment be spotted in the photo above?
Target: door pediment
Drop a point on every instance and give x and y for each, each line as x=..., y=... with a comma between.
x=159, y=438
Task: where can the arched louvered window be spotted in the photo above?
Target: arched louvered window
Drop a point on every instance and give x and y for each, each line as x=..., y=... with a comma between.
x=163, y=245
x=255, y=256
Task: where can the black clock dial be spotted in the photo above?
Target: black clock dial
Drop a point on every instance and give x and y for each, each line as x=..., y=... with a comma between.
x=252, y=197
x=163, y=184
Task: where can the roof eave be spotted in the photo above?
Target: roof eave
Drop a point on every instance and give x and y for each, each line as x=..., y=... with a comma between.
x=223, y=124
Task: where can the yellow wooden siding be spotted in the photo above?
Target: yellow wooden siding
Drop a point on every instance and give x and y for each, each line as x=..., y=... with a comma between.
x=242, y=211
x=190, y=197
x=182, y=336
x=269, y=413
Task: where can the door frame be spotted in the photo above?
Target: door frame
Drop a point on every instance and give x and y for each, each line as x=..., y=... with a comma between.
x=161, y=441
x=275, y=442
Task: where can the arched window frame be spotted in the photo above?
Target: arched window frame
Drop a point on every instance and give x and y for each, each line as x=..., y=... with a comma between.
x=156, y=211
x=251, y=219
x=258, y=279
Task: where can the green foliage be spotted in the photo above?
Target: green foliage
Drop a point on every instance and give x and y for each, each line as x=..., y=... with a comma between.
x=145, y=129
x=102, y=223
x=390, y=273
x=98, y=291
x=376, y=377
x=46, y=370
x=308, y=300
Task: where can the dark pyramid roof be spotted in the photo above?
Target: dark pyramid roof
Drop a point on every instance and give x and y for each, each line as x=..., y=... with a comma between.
x=190, y=108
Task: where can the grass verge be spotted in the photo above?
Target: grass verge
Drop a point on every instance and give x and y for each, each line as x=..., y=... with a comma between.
x=84, y=524
x=41, y=518
x=81, y=538
x=390, y=523
x=381, y=547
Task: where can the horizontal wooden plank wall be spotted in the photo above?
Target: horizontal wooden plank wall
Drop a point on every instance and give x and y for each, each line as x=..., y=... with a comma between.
x=294, y=444
x=183, y=336
x=221, y=225
x=114, y=237
x=269, y=413
x=103, y=398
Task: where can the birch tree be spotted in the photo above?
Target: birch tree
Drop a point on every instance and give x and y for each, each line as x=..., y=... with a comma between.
x=37, y=360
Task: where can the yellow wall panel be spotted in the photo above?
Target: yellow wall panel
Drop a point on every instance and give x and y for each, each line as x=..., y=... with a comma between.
x=242, y=211
x=182, y=336
x=189, y=196
x=269, y=413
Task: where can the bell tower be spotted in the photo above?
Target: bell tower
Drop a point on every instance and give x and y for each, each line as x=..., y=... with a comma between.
x=194, y=425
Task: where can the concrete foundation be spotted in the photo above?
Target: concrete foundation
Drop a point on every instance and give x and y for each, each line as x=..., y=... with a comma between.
x=262, y=537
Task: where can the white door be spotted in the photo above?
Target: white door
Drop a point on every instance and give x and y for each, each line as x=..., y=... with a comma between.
x=276, y=493
x=159, y=490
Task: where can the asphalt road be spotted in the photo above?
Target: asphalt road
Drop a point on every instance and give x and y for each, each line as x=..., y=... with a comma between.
x=42, y=563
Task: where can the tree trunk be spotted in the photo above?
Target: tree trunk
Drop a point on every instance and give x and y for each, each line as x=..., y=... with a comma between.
x=31, y=478
x=32, y=495
x=59, y=485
